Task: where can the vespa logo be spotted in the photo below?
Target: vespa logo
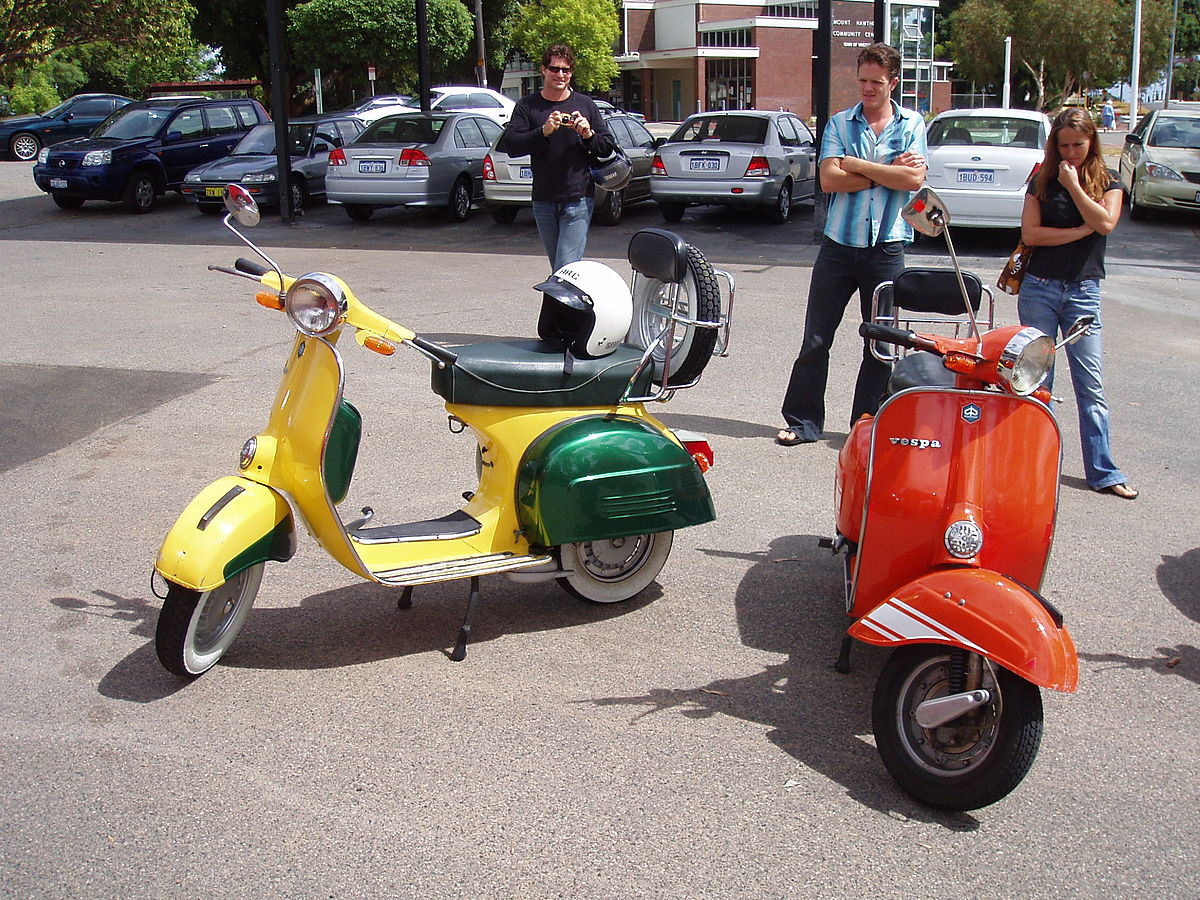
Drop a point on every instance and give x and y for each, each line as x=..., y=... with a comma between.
x=971, y=413
x=918, y=443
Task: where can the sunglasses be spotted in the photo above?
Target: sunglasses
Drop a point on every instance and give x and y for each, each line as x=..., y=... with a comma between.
x=561, y=70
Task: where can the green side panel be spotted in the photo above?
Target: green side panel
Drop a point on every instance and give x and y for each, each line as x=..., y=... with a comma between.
x=605, y=477
x=279, y=545
x=342, y=451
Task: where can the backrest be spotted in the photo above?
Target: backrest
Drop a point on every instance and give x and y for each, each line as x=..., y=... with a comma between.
x=1027, y=136
x=659, y=254
x=935, y=291
x=958, y=136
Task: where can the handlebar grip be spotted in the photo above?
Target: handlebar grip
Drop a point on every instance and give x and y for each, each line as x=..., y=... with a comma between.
x=888, y=334
x=446, y=355
x=250, y=267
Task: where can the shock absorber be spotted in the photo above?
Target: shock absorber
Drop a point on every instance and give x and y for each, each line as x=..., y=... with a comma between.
x=958, y=670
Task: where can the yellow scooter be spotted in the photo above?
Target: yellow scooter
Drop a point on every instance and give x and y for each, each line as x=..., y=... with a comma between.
x=578, y=483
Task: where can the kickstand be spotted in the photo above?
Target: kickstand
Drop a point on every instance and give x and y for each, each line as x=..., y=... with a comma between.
x=843, y=661
x=464, y=633
x=405, y=601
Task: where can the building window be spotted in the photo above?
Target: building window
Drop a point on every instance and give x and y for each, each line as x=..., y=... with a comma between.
x=730, y=83
x=731, y=37
x=807, y=9
x=912, y=33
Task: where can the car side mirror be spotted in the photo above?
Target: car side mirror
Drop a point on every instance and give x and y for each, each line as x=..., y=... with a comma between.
x=173, y=137
x=68, y=117
x=658, y=142
x=1134, y=139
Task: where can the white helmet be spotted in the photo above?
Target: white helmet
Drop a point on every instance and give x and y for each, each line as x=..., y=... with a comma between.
x=587, y=307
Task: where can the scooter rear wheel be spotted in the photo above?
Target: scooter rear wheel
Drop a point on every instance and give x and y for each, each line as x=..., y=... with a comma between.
x=612, y=571
x=970, y=761
x=195, y=629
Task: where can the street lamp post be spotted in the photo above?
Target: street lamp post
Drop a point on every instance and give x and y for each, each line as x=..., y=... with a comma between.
x=1171, y=54
x=1134, y=88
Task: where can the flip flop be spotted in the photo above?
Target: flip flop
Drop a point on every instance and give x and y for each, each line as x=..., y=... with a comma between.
x=1122, y=490
x=796, y=438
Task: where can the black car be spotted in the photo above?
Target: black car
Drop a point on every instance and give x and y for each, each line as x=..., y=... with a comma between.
x=253, y=164
x=143, y=150
x=24, y=136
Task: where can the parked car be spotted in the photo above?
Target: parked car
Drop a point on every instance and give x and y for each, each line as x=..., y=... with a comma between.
x=144, y=149
x=372, y=108
x=1160, y=162
x=413, y=159
x=254, y=166
x=465, y=98
x=739, y=158
x=981, y=160
x=508, y=180
x=24, y=136
x=607, y=109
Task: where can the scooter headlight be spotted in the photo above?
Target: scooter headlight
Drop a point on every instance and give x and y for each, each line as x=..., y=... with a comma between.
x=964, y=539
x=315, y=304
x=1026, y=360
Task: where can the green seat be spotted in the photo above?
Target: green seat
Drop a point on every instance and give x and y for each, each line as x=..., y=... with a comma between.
x=531, y=373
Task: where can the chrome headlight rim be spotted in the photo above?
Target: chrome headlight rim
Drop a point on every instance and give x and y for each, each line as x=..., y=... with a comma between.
x=964, y=539
x=316, y=304
x=1026, y=360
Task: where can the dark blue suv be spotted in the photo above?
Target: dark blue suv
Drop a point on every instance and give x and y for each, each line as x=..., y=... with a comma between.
x=144, y=149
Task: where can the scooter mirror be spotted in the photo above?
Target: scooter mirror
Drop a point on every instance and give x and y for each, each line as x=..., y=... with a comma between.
x=1078, y=329
x=239, y=202
x=926, y=213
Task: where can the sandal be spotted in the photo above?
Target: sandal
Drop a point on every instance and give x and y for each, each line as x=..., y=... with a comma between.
x=789, y=437
x=1122, y=490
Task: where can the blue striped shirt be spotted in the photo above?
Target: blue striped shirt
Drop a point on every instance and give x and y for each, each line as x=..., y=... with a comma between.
x=871, y=216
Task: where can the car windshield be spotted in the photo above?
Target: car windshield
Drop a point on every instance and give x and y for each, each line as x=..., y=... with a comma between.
x=1176, y=132
x=130, y=123
x=402, y=130
x=723, y=129
x=261, y=140
x=985, y=131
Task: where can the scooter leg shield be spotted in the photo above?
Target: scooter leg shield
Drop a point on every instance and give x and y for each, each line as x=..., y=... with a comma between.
x=233, y=524
x=980, y=611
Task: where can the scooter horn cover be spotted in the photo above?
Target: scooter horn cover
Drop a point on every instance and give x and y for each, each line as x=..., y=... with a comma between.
x=612, y=172
x=587, y=308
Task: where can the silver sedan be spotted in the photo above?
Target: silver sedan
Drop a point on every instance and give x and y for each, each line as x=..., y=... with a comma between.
x=433, y=160
x=743, y=158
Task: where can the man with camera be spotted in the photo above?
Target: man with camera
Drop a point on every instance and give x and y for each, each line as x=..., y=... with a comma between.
x=562, y=131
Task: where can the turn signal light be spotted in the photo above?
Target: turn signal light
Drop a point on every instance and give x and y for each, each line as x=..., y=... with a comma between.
x=337, y=157
x=414, y=157
x=269, y=299
x=489, y=168
x=379, y=345
x=701, y=452
x=657, y=167
x=758, y=168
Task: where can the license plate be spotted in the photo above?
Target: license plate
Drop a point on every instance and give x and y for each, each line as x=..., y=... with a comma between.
x=705, y=165
x=214, y=192
x=1198, y=196
x=372, y=167
x=58, y=182
x=976, y=176
x=526, y=173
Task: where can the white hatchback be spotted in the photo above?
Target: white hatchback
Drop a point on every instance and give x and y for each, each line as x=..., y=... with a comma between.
x=981, y=160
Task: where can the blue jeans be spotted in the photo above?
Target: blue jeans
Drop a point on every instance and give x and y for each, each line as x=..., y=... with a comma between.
x=564, y=229
x=1051, y=306
x=837, y=273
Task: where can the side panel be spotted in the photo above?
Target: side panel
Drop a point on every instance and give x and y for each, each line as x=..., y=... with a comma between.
x=602, y=477
x=982, y=612
x=942, y=455
x=233, y=524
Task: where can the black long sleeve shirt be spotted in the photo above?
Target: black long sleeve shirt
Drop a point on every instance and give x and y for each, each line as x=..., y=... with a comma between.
x=560, y=162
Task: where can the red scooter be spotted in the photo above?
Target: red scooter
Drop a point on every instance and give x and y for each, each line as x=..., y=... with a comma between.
x=946, y=500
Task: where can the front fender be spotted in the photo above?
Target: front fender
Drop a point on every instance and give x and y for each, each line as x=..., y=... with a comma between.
x=980, y=611
x=233, y=524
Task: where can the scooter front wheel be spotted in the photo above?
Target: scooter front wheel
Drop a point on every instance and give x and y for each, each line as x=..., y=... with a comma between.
x=967, y=762
x=196, y=628
x=612, y=571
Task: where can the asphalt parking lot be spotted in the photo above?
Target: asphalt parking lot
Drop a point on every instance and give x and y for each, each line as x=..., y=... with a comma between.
x=693, y=742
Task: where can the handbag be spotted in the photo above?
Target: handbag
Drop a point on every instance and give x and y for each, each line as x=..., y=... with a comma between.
x=1014, y=270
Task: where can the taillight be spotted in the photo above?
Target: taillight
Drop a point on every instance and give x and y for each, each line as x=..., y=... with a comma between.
x=337, y=157
x=758, y=168
x=489, y=169
x=1032, y=175
x=414, y=157
x=657, y=167
x=697, y=447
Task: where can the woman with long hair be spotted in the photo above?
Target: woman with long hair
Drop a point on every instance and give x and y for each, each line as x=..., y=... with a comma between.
x=1072, y=205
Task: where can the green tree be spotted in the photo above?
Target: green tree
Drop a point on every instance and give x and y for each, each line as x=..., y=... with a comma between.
x=591, y=28
x=352, y=34
x=30, y=30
